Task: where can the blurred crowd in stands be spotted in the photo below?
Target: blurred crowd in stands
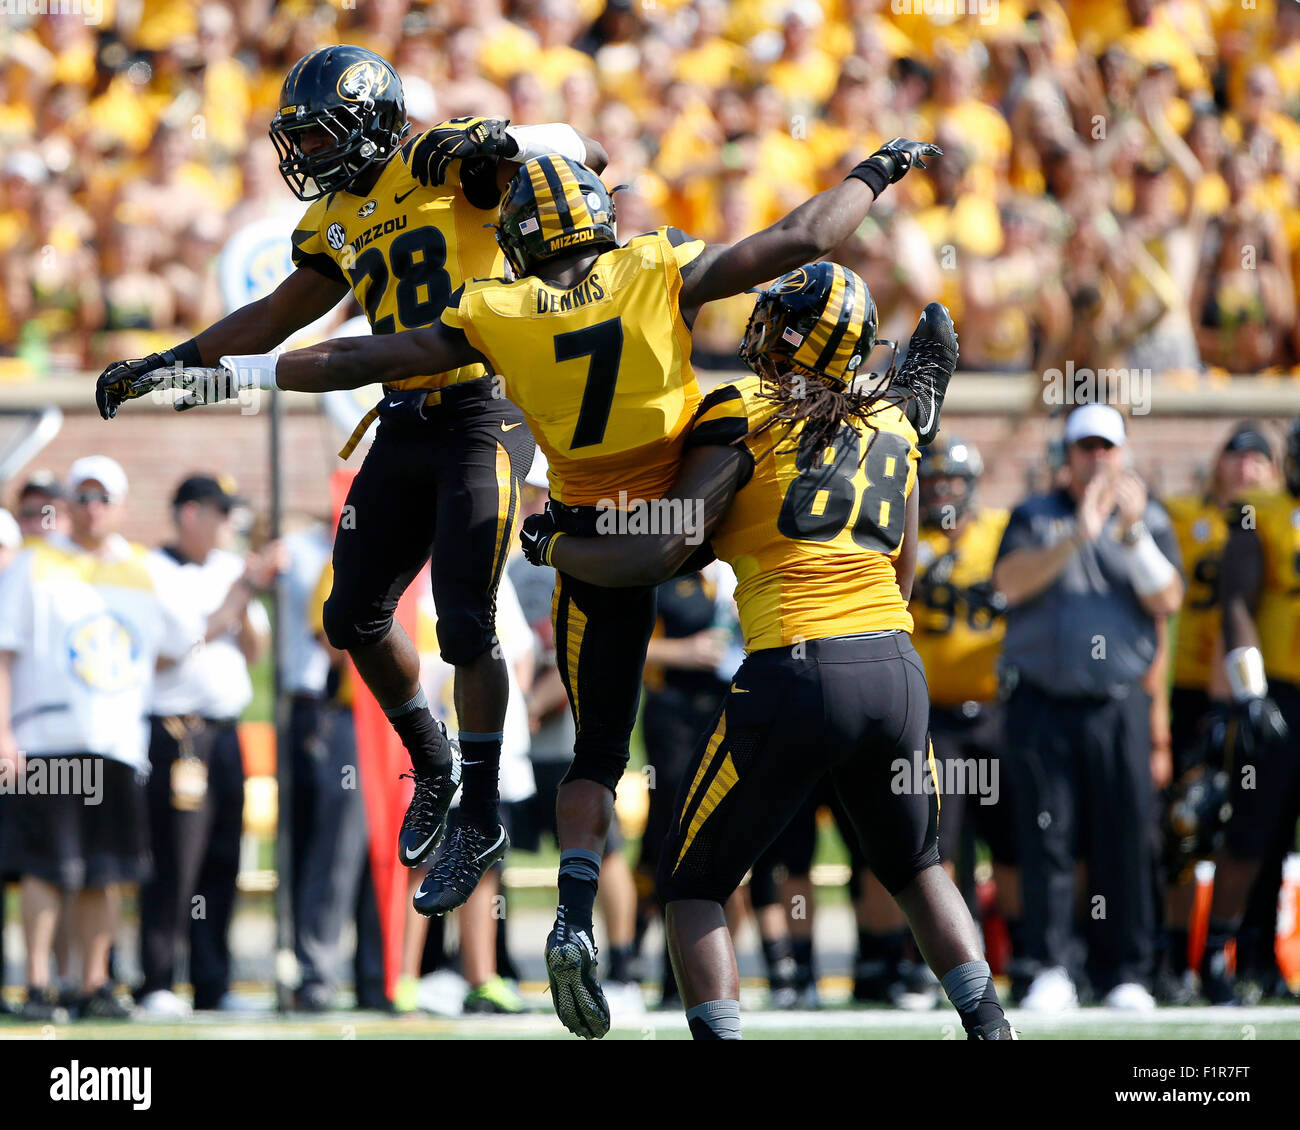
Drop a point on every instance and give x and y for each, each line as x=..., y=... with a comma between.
x=1118, y=186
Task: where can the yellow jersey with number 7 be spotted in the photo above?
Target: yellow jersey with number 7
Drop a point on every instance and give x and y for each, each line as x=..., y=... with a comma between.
x=813, y=532
x=600, y=370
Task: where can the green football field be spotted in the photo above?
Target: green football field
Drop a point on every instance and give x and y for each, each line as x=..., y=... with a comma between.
x=1270, y=1023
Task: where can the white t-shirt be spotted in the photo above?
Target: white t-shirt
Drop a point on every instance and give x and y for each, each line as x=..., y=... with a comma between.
x=516, y=641
x=87, y=630
x=213, y=680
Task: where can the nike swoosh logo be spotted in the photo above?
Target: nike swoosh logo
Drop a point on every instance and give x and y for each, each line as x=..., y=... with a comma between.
x=739, y=690
x=404, y=195
x=512, y=427
x=422, y=848
x=500, y=840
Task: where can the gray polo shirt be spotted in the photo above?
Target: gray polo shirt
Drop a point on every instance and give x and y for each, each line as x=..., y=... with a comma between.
x=1086, y=634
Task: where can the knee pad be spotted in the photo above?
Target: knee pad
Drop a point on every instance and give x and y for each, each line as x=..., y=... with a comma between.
x=463, y=637
x=604, y=765
x=345, y=629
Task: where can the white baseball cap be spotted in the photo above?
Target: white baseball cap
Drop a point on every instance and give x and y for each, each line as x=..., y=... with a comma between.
x=1100, y=420
x=103, y=470
x=11, y=537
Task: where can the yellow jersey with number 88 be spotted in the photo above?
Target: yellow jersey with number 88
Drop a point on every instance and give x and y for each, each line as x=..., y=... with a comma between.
x=813, y=532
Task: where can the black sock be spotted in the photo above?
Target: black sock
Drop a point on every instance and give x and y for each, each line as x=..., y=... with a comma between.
x=579, y=877
x=480, y=768
x=1177, y=950
x=776, y=952
x=1221, y=932
x=970, y=988
x=423, y=736
x=620, y=963
x=803, y=960
x=887, y=948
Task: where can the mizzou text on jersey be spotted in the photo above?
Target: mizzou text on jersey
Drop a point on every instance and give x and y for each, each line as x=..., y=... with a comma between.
x=601, y=371
x=812, y=534
x=404, y=248
x=958, y=624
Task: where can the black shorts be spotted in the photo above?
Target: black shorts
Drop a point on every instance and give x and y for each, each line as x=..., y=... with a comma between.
x=448, y=487
x=85, y=828
x=851, y=707
x=1188, y=707
x=672, y=724
x=600, y=640
x=1264, y=816
x=968, y=752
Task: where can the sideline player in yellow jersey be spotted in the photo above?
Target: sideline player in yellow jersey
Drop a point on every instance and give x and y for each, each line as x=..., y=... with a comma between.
x=1260, y=595
x=958, y=634
x=399, y=224
x=593, y=342
x=807, y=490
x=1244, y=465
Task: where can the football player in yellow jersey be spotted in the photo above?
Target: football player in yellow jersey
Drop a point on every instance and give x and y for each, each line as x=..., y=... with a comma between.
x=1200, y=687
x=399, y=224
x=807, y=489
x=1260, y=732
x=593, y=343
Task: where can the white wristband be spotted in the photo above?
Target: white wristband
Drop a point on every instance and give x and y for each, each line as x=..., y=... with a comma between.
x=1149, y=569
x=251, y=370
x=556, y=137
x=1244, y=667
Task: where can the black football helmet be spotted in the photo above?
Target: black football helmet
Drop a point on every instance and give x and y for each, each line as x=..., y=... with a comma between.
x=1291, y=457
x=553, y=205
x=356, y=97
x=818, y=319
x=947, y=457
x=1195, y=818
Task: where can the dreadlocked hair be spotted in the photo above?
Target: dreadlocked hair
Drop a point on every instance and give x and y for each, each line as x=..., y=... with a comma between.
x=820, y=405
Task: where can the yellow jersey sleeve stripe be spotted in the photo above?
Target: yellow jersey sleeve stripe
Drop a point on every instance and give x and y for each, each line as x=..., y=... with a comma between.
x=722, y=419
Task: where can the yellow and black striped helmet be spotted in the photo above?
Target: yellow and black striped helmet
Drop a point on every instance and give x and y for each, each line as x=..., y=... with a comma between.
x=553, y=205
x=819, y=318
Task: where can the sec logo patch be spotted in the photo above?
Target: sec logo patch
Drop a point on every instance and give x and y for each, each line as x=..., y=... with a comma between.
x=335, y=236
x=103, y=652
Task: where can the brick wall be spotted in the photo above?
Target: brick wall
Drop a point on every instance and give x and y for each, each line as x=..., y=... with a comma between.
x=159, y=448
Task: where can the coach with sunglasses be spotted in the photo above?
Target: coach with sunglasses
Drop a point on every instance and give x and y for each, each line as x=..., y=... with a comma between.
x=1087, y=570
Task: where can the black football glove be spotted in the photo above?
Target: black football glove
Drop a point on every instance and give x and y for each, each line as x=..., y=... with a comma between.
x=1243, y=730
x=437, y=148
x=902, y=154
x=888, y=164
x=127, y=380
x=537, y=535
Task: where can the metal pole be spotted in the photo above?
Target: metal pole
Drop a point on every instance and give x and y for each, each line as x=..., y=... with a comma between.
x=285, y=962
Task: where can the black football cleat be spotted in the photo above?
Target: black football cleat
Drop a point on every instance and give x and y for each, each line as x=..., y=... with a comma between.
x=464, y=858
x=426, y=815
x=926, y=370
x=994, y=1030
x=575, y=992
